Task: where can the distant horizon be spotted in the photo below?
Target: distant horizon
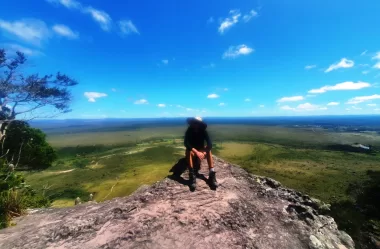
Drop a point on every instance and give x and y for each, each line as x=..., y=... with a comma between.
x=212, y=117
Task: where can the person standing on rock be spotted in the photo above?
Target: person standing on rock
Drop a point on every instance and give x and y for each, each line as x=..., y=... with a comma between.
x=195, y=138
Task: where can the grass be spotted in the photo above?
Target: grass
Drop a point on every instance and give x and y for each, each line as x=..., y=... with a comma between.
x=114, y=138
x=126, y=172
x=319, y=173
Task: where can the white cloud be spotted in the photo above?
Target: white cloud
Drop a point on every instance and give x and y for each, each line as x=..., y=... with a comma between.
x=222, y=104
x=189, y=109
x=376, y=56
x=161, y=105
x=348, y=85
x=261, y=106
x=101, y=17
x=12, y=48
x=30, y=30
x=92, y=96
x=286, y=107
x=309, y=107
x=65, y=31
x=229, y=21
x=70, y=4
x=343, y=63
x=179, y=106
x=333, y=103
x=141, y=102
x=371, y=104
x=377, y=65
x=127, y=27
x=236, y=51
x=250, y=15
x=356, y=108
x=165, y=62
x=247, y=100
x=365, y=72
x=290, y=99
x=361, y=99
x=304, y=107
x=364, y=52
x=212, y=96
x=308, y=67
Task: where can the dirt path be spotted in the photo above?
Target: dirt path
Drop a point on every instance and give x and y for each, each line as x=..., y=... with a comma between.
x=125, y=153
x=59, y=172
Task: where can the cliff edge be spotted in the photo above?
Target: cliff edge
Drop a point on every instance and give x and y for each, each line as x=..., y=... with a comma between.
x=246, y=211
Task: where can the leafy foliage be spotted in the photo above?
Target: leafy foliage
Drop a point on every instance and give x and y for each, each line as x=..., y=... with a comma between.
x=28, y=147
x=81, y=163
x=16, y=196
x=361, y=216
x=31, y=92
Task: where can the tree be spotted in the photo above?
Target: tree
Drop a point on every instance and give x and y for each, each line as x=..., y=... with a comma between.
x=32, y=92
x=20, y=94
x=31, y=144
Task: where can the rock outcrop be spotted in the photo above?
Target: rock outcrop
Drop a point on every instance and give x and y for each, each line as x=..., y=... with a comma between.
x=246, y=211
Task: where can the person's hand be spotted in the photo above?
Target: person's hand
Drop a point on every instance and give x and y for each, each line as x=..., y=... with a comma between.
x=200, y=155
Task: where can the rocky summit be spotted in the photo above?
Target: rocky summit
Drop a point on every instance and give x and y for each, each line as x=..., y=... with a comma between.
x=246, y=211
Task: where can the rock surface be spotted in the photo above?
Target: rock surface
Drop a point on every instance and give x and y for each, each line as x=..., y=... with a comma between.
x=246, y=211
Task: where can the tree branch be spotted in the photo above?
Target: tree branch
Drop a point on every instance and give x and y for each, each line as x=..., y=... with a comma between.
x=19, y=154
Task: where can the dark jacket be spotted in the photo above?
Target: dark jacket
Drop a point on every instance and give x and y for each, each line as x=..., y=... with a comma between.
x=197, y=139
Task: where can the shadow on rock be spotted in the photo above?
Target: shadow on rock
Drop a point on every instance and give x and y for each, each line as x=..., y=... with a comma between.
x=180, y=167
x=177, y=170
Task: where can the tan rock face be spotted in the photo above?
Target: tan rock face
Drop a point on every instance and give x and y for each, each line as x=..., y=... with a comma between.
x=246, y=211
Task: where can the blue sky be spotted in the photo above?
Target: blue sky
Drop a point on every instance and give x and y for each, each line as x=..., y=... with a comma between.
x=208, y=58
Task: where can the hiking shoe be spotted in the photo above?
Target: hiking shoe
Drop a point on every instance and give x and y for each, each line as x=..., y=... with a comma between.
x=192, y=179
x=212, y=180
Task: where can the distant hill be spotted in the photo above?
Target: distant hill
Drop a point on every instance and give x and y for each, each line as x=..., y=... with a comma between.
x=81, y=125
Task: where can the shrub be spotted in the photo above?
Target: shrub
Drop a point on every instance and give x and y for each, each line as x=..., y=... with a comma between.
x=30, y=144
x=81, y=163
x=12, y=204
x=16, y=196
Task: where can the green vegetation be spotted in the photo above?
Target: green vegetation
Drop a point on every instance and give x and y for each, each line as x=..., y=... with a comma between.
x=27, y=147
x=107, y=176
x=320, y=173
x=16, y=195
